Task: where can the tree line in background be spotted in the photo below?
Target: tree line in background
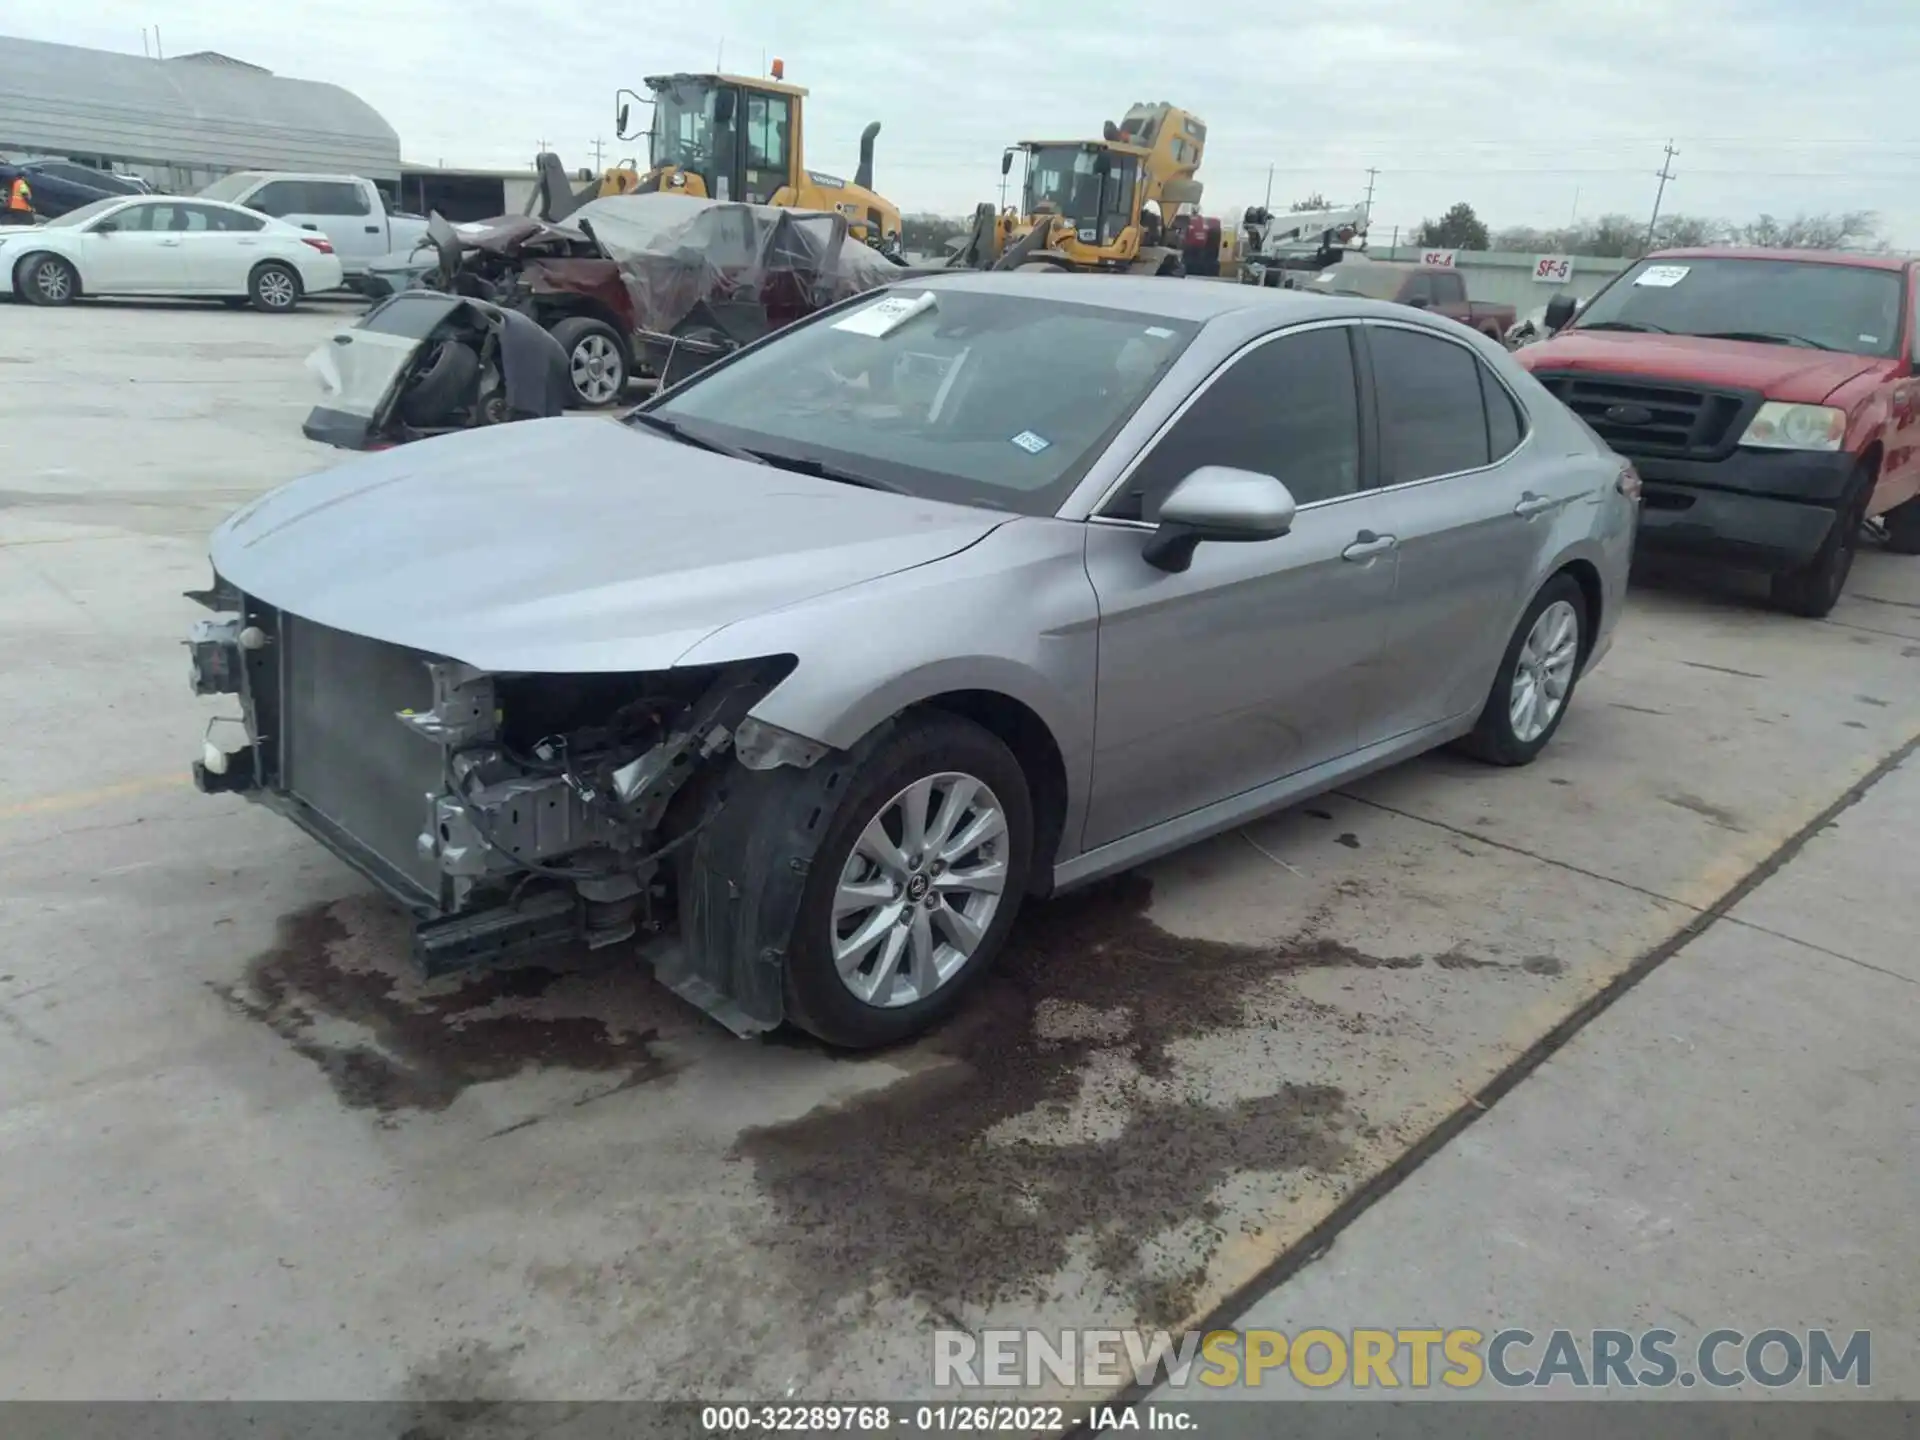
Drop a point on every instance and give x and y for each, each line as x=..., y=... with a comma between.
x=1605, y=236
x=1623, y=237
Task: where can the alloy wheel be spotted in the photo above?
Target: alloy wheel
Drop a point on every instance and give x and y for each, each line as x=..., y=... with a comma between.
x=277, y=289
x=595, y=367
x=919, y=890
x=1543, y=671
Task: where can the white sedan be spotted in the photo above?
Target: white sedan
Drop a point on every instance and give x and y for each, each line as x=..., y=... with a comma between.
x=163, y=245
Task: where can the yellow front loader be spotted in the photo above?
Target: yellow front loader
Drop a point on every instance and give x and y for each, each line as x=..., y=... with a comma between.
x=730, y=137
x=1111, y=204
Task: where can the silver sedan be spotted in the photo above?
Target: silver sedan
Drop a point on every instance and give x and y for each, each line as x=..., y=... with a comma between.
x=806, y=675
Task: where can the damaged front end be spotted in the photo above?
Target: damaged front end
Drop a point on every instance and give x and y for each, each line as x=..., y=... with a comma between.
x=513, y=812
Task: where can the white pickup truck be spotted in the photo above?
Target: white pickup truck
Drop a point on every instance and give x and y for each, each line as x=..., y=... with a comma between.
x=348, y=210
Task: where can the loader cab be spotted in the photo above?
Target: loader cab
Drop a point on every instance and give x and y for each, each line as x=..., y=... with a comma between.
x=720, y=137
x=1094, y=187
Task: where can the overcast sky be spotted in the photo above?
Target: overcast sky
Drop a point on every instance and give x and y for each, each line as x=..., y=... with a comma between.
x=1516, y=106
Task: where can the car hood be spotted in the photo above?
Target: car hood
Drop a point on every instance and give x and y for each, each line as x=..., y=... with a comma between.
x=1779, y=372
x=569, y=544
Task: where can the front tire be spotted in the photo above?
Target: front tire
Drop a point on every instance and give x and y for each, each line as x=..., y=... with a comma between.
x=49, y=280
x=596, y=361
x=1536, y=679
x=915, y=886
x=273, y=288
x=1815, y=588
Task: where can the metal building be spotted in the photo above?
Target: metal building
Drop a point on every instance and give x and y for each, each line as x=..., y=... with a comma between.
x=183, y=122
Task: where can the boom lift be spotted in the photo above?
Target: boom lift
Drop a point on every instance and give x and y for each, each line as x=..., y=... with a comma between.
x=729, y=137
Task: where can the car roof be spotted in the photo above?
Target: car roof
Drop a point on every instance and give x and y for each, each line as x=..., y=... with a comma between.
x=1858, y=258
x=1153, y=295
x=1199, y=300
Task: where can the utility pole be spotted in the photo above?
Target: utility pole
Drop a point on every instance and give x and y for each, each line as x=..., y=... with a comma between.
x=1368, y=203
x=543, y=148
x=599, y=147
x=1268, y=203
x=1666, y=169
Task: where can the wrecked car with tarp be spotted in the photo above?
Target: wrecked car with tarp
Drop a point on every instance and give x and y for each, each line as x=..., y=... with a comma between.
x=709, y=276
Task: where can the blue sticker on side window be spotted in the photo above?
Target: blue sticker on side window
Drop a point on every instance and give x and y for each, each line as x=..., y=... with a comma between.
x=1031, y=443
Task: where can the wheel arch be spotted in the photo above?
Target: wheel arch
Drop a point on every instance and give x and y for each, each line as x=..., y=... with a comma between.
x=1021, y=729
x=1586, y=575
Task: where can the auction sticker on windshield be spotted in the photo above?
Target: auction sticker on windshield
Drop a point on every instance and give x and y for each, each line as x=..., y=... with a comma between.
x=1664, y=276
x=1031, y=443
x=885, y=316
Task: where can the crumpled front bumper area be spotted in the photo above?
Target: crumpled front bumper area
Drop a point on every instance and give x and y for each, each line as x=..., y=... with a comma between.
x=512, y=814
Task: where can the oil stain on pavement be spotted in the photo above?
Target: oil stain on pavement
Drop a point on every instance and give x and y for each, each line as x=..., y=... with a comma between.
x=919, y=1188
x=392, y=1047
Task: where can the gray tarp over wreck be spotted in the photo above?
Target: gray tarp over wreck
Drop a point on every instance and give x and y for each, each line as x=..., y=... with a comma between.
x=676, y=251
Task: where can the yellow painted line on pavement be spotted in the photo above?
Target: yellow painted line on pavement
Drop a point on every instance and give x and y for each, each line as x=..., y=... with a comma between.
x=87, y=799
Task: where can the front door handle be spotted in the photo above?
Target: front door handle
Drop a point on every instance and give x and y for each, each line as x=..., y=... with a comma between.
x=169, y=242
x=373, y=229
x=1531, y=505
x=1366, y=545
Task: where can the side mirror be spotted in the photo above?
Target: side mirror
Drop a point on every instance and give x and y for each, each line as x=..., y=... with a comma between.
x=1420, y=302
x=1103, y=164
x=1006, y=161
x=105, y=227
x=723, y=107
x=620, y=122
x=1560, y=311
x=1218, y=503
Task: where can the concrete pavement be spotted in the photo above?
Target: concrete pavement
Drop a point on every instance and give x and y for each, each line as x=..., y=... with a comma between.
x=1734, y=1143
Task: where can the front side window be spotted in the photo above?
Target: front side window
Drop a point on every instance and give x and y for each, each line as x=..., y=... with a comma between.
x=983, y=399
x=1809, y=304
x=1287, y=408
x=1061, y=180
x=1427, y=391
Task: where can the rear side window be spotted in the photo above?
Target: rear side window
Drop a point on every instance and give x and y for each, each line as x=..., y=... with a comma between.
x=1287, y=408
x=218, y=217
x=1505, y=427
x=280, y=197
x=334, y=197
x=1432, y=419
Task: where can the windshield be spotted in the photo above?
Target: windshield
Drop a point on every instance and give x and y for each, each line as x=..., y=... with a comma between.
x=1790, y=302
x=985, y=399
x=683, y=127
x=86, y=212
x=1061, y=181
x=231, y=187
x=1369, y=281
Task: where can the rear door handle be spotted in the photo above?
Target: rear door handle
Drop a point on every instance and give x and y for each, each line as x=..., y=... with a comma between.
x=1366, y=545
x=1531, y=505
x=169, y=242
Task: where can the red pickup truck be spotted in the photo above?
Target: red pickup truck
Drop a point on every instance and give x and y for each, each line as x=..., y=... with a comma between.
x=1768, y=399
x=1425, y=287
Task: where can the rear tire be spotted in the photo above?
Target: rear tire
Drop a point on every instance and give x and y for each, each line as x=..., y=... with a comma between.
x=273, y=288
x=1542, y=660
x=946, y=754
x=1903, y=527
x=1815, y=588
x=48, y=280
x=596, y=361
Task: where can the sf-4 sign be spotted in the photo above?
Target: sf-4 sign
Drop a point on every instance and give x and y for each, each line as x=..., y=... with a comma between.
x=1553, y=269
x=1441, y=259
